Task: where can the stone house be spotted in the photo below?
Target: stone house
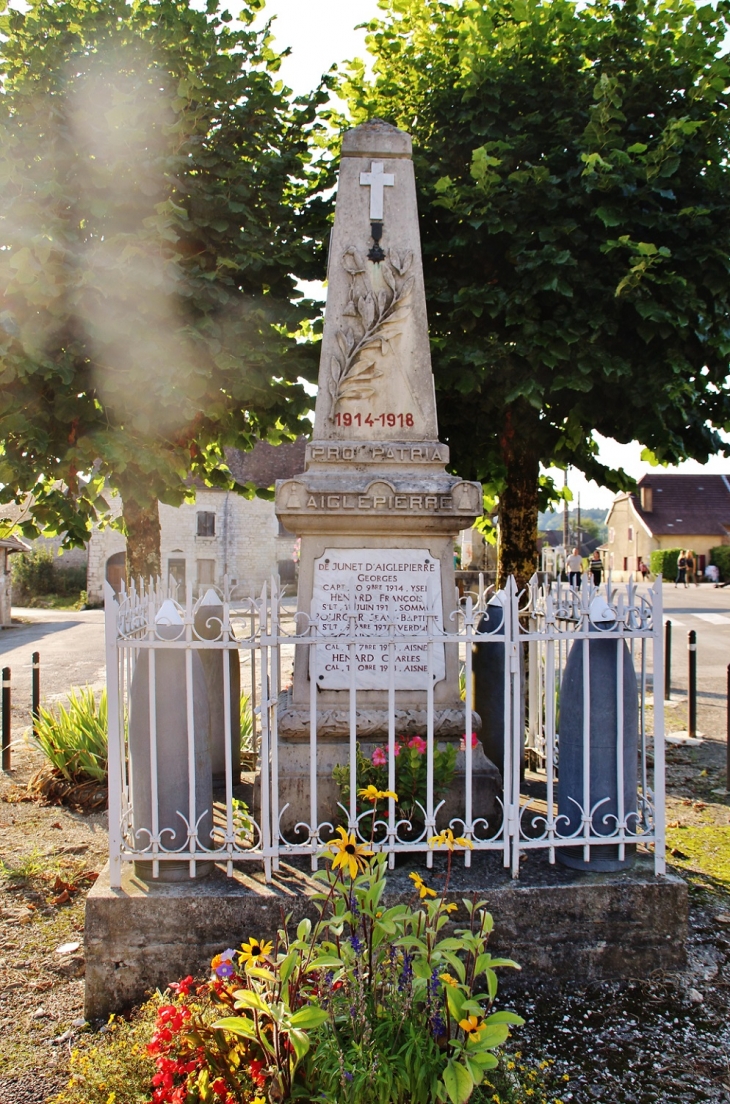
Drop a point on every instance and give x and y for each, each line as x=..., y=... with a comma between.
x=8, y=546
x=221, y=533
x=668, y=511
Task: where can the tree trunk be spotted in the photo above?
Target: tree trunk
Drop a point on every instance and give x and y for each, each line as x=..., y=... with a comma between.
x=143, y=539
x=518, y=502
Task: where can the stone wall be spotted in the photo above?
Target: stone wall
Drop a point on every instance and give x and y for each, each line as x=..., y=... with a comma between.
x=245, y=543
x=5, y=618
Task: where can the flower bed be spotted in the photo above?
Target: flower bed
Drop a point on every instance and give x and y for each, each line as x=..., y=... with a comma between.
x=369, y=1005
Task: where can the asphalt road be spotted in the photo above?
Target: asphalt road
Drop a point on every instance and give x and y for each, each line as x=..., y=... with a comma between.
x=71, y=647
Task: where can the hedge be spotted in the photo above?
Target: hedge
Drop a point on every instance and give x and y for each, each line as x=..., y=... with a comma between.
x=664, y=562
x=721, y=557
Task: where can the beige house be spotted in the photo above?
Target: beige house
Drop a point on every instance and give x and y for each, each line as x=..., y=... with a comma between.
x=8, y=546
x=668, y=511
x=221, y=533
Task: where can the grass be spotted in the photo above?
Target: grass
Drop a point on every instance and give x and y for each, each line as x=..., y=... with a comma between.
x=30, y=866
x=113, y=1065
x=701, y=853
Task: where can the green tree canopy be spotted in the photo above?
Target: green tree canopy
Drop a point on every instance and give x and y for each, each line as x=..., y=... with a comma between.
x=573, y=191
x=152, y=173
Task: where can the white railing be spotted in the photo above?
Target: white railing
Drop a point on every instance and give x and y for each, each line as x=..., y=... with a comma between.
x=542, y=660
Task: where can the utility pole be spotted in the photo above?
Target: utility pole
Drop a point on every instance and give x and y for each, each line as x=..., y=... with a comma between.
x=566, y=527
x=578, y=530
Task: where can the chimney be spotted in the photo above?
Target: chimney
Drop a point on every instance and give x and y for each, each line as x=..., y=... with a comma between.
x=646, y=498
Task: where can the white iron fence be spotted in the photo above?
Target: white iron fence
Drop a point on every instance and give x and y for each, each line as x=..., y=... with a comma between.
x=562, y=679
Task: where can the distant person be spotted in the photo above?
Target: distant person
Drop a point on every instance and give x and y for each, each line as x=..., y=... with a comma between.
x=643, y=568
x=681, y=571
x=691, y=565
x=596, y=567
x=574, y=565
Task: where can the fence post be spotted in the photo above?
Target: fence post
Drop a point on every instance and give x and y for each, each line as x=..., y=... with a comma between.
x=6, y=720
x=692, y=681
x=36, y=694
x=667, y=662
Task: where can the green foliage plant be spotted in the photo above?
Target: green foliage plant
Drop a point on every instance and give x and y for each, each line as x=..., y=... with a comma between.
x=411, y=765
x=73, y=738
x=37, y=574
x=721, y=557
x=371, y=1004
x=663, y=562
x=572, y=175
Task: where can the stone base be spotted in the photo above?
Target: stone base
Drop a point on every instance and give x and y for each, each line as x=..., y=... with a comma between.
x=295, y=787
x=372, y=724
x=554, y=922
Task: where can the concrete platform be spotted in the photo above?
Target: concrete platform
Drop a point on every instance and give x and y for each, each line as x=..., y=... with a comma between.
x=553, y=921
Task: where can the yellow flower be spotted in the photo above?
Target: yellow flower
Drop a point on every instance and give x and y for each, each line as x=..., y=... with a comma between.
x=420, y=885
x=372, y=793
x=472, y=1027
x=451, y=908
x=258, y=1100
x=254, y=952
x=566, y=1077
x=447, y=839
x=349, y=854
x=510, y=1065
x=448, y=980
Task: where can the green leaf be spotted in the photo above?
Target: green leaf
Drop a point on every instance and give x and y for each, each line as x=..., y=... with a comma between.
x=309, y=1017
x=458, y=1082
x=237, y=1025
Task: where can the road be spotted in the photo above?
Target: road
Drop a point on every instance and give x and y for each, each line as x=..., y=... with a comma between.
x=71, y=647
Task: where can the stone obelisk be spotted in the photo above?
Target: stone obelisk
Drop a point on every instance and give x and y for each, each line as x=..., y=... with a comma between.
x=376, y=510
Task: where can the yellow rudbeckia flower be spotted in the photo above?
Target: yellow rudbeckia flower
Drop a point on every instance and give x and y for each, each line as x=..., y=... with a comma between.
x=254, y=952
x=372, y=793
x=472, y=1026
x=448, y=839
x=349, y=854
x=420, y=885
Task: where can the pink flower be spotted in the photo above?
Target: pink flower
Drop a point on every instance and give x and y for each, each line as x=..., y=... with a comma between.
x=419, y=744
x=474, y=741
x=379, y=757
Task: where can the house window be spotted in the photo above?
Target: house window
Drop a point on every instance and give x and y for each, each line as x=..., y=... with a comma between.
x=611, y=535
x=206, y=523
x=176, y=571
x=206, y=572
x=631, y=532
x=626, y=563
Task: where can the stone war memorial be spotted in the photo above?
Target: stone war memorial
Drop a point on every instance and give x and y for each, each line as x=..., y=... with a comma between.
x=242, y=729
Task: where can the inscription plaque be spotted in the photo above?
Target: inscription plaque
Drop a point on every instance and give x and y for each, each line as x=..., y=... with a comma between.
x=370, y=590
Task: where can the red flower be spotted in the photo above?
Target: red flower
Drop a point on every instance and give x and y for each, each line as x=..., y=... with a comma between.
x=219, y=1087
x=255, y=1073
x=182, y=988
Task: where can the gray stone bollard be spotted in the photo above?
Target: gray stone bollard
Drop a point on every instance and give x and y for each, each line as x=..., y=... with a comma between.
x=488, y=675
x=603, y=746
x=171, y=719
x=208, y=624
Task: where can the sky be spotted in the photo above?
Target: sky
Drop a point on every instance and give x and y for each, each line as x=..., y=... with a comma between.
x=321, y=32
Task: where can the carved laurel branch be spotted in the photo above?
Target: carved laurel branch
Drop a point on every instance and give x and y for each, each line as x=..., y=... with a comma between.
x=352, y=370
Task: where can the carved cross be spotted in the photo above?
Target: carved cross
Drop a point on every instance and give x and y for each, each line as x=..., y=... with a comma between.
x=377, y=181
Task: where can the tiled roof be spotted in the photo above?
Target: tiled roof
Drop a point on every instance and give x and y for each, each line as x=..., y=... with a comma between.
x=686, y=505
x=266, y=463
x=14, y=544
